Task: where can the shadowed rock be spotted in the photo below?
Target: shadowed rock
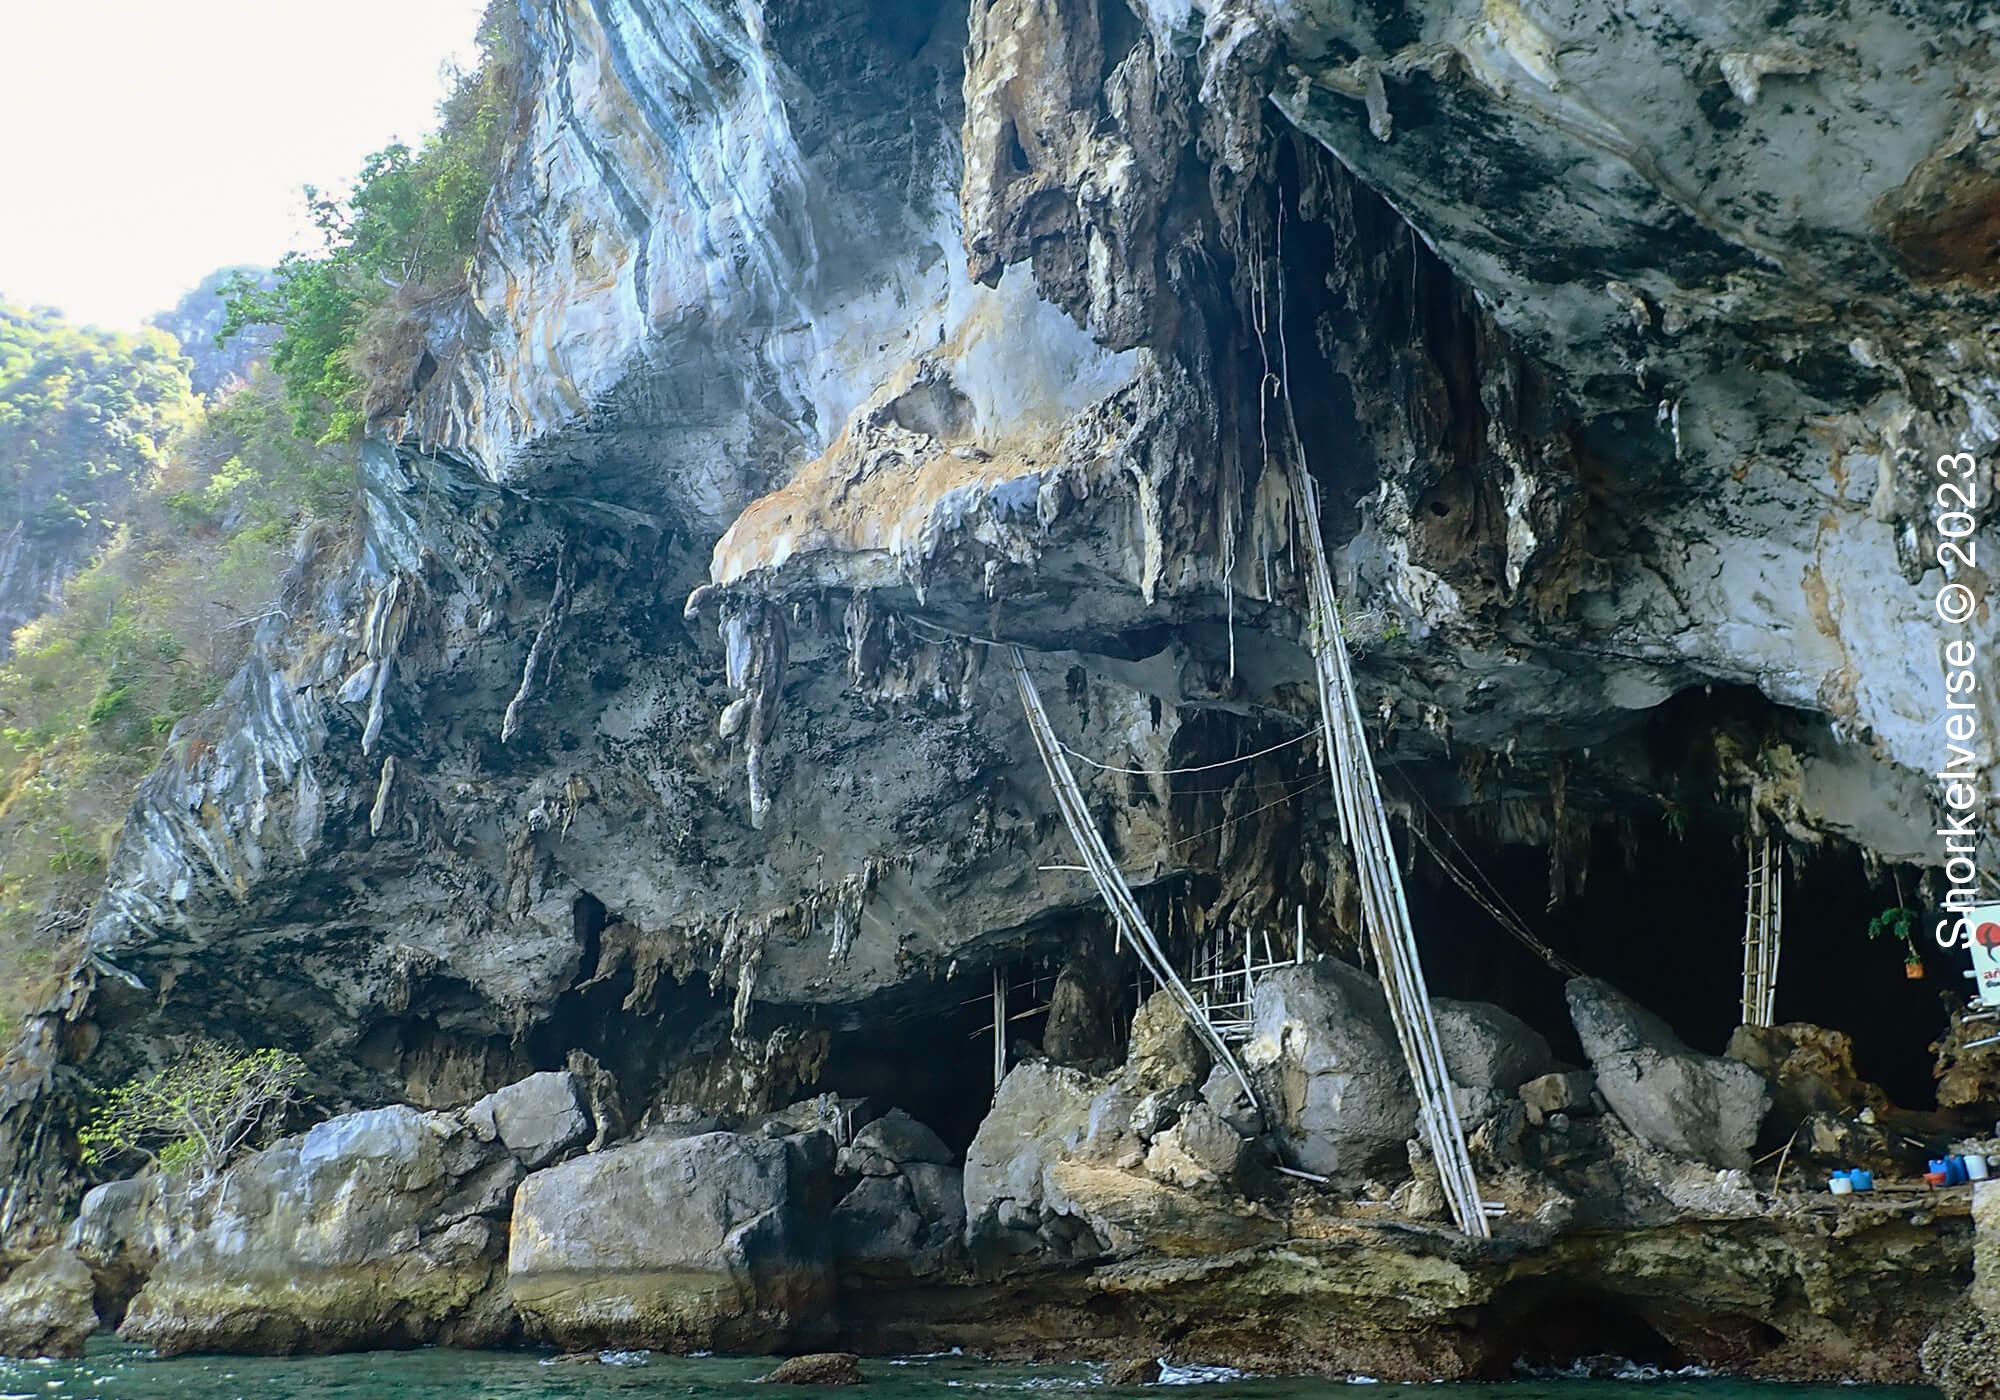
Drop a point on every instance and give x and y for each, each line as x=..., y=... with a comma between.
x=1706, y=1107
x=711, y=1242
x=45, y=1306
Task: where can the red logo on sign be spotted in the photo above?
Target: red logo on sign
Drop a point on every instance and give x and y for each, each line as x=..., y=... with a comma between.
x=1987, y=936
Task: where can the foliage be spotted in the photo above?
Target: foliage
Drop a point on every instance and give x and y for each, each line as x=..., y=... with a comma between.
x=84, y=416
x=1896, y=922
x=147, y=632
x=400, y=239
x=197, y=1113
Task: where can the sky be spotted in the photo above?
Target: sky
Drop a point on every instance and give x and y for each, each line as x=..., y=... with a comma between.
x=149, y=142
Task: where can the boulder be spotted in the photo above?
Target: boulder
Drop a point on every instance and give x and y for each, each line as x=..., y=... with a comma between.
x=1199, y=1150
x=110, y=1235
x=1161, y=1109
x=375, y=1229
x=1703, y=1107
x=1564, y=1091
x=1224, y=1092
x=1489, y=1047
x=1164, y=1052
x=817, y=1368
x=539, y=1118
x=1038, y=1109
x=1144, y=1370
x=895, y=1139
x=1811, y=1070
x=907, y=1225
x=46, y=1306
x=1330, y=1070
x=716, y=1242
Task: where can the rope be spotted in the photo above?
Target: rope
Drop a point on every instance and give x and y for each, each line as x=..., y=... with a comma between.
x=1197, y=768
x=1508, y=924
x=1104, y=873
x=1244, y=817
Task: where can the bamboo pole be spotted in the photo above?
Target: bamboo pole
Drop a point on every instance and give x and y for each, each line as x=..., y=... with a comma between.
x=1110, y=882
x=1365, y=822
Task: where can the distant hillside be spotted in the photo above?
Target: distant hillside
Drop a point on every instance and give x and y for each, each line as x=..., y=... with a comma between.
x=84, y=414
x=196, y=321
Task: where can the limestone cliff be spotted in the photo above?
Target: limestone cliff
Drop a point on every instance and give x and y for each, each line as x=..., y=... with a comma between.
x=875, y=334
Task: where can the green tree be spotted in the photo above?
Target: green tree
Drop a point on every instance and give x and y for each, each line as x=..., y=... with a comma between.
x=195, y=1115
x=401, y=240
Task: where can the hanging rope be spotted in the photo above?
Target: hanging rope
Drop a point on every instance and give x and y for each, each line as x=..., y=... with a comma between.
x=1508, y=923
x=1197, y=768
x=1104, y=873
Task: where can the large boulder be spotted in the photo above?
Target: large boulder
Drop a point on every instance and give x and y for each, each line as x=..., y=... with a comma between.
x=111, y=1235
x=719, y=1241
x=1811, y=1070
x=1038, y=1112
x=909, y=1225
x=46, y=1306
x=1704, y=1107
x=539, y=1118
x=905, y=1216
x=891, y=1142
x=1164, y=1052
x=1328, y=1066
x=375, y=1229
x=1489, y=1047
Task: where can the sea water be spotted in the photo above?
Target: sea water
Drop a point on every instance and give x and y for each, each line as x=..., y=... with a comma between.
x=114, y=1371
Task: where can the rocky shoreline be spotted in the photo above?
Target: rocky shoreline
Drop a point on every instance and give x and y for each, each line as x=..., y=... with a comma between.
x=1142, y=1211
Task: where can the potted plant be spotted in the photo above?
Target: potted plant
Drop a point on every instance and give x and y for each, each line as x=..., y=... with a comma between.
x=1898, y=922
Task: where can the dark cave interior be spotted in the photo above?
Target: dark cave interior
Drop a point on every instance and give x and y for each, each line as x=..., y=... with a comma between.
x=1668, y=930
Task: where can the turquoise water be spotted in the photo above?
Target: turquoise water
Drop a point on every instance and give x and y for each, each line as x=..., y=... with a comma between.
x=113, y=1371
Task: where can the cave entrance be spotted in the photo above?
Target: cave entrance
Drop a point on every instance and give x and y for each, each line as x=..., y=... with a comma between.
x=1583, y=1330
x=1661, y=917
x=933, y=1060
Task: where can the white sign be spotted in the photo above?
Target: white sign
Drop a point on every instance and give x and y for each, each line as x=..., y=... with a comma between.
x=1982, y=922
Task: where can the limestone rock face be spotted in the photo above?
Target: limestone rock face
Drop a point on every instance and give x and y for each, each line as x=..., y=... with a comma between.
x=715, y=1242
x=1961, y=1356
x=1325, y=1057
x=375, y=1229
x=45, y=1306
x=880, y=327
x=1707, y=1107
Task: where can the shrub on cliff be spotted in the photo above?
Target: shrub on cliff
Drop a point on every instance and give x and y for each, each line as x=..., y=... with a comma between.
x=146, y=632
x=350, y=316
x=196, y=1114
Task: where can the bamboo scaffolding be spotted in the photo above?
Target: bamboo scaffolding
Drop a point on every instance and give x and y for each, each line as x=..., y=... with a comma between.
x=1366, y=825
x=1104, y=873
x=1763, y=927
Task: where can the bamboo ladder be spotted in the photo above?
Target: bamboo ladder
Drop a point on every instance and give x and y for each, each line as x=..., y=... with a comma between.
x=1386, y=910
x=1763, y=925
x=1110, y=881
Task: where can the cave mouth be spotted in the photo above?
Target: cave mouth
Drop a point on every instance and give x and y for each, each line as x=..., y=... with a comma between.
x=932, y=1059
x=1582, y=1333
x=1660, y=916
